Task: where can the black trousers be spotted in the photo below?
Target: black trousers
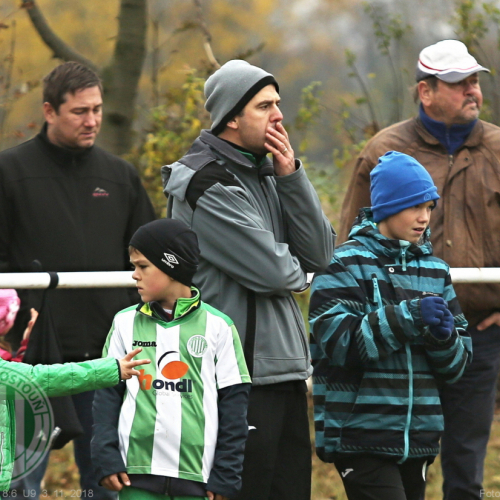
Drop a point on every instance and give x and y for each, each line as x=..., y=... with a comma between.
x=374, y=478
x=277, y=462
x=468, y=407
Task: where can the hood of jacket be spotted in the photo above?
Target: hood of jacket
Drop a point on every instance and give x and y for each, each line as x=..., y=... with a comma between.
x=206, y=148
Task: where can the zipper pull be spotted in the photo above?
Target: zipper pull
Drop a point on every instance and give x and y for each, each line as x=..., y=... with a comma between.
x=377, y=299
x=403, y=258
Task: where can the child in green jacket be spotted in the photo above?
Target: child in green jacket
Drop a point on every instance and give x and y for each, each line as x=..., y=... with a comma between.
x=35, y=384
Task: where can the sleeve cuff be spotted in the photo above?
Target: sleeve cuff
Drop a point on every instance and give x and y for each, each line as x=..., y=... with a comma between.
x=435, y=342
x=299, y=171
x=416, y=313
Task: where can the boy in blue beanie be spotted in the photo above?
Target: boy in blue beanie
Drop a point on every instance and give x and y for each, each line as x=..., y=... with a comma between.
x=386, y=331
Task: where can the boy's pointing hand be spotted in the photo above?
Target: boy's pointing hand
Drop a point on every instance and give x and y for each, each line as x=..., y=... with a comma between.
x=127, y=364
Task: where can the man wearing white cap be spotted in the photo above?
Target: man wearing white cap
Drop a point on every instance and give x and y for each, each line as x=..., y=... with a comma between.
x=462, y=154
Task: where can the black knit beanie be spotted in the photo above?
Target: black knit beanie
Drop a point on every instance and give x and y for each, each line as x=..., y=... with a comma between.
x=171, y=246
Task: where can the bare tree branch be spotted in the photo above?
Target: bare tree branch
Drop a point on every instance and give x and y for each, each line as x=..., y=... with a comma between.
x=207, y=44
x=60, y=49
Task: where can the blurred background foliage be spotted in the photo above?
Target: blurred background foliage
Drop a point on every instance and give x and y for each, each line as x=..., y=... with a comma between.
x=345, y=69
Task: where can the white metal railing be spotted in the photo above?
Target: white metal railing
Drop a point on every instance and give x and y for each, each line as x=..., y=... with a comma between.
x=112, y=279
x=94, y=279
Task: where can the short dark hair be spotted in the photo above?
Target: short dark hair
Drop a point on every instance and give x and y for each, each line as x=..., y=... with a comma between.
x=431, y=80
x=68, y=77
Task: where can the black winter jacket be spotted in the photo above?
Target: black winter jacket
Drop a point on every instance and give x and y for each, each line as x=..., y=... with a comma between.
x=72, y=211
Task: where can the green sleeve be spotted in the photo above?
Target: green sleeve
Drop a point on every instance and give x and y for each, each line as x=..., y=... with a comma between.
x=72, y=378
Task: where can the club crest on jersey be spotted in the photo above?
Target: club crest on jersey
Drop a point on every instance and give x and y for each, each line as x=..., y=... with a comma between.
x=170, y=260
x=172, y=369
x=197, y=346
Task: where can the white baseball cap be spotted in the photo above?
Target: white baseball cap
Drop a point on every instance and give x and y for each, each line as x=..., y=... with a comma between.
x=448, y=60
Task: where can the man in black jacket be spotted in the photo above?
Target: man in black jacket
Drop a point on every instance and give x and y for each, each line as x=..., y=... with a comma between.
x=71, y=206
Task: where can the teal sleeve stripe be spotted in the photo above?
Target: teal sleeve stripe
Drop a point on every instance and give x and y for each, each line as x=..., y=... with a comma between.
x=387, y=331
x=368, y=341
x=341, y=347
x=410, y=327
x=342, y=279
x=459, y=373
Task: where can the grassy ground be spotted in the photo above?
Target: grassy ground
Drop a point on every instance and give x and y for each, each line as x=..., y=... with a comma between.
x=61, y=479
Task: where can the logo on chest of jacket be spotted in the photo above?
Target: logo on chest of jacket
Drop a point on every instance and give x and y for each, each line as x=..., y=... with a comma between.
x=100, y=193
x=172, y=369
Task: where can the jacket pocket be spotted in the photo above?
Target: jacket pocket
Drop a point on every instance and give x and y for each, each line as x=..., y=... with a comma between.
x=378, y=415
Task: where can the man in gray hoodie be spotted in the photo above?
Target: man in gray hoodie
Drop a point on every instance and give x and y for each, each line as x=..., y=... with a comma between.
x=261, y=229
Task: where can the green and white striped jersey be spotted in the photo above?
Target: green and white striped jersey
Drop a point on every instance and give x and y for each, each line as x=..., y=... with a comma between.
x=169, y=417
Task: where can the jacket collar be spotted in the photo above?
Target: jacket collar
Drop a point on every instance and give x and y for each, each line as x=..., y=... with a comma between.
x=473, y=140
x=182, y=307
x=62, y=156
x=451, y=137
x=365, y=231
x=233, y=154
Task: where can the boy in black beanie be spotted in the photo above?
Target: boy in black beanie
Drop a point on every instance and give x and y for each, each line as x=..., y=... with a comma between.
x=180, y=430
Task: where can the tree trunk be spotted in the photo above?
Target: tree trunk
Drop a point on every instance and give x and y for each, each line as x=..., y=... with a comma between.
x=121, y=77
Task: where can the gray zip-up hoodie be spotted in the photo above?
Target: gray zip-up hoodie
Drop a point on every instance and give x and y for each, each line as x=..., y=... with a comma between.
x=259, y=236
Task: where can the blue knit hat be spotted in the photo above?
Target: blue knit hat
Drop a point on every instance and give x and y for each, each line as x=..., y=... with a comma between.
x=398, y=182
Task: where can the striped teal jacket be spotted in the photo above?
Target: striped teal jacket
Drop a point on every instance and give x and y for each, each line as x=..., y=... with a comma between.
x=377, y=368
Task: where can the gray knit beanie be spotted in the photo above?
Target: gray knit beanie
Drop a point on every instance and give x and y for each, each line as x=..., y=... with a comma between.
x=230, y=89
